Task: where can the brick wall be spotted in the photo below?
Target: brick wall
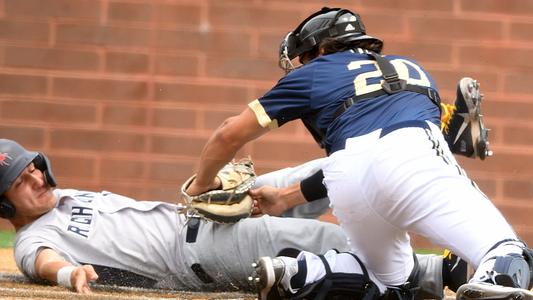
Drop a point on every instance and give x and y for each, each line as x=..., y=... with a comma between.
x=122, y=94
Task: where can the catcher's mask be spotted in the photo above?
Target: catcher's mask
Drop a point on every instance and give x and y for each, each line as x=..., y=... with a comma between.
x=338, y=23
x=13, y=160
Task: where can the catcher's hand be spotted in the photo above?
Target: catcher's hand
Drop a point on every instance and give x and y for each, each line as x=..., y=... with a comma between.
x=230, y=202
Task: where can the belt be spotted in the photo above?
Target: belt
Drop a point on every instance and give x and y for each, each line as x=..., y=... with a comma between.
x=412, y=123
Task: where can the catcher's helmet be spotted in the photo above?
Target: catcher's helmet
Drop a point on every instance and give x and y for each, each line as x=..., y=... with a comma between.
x=13, y=160
x=340, y=24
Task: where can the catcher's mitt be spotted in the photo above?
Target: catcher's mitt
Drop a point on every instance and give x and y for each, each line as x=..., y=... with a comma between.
x=231, y=201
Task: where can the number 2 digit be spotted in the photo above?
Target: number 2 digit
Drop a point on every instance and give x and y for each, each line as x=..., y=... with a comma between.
x=400, y=65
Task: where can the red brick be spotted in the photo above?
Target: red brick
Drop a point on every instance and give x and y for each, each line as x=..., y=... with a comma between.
x=53, y=8
x=122, y=169
x=77, y=167
x=125, y=188
x=209, y=41
x=174, y=118
x=493, y=57
x=22, y=85
x=176, y=65
x=516, y=214
x=125, y=115
x=102, y=36
x=454, y=29
x=29, y=137
x=181, y=14
x=200, y=93
x=133, y=12
x=518, y=135
x=166, y=193
x=101, y=89
x=448, y=79
x=519, y=83
x=502, y=163
x=24, y=31
x=56, y=59
x=525, y=232
x=268, y=46
x=47, y=112
x=239, y=67
x=407, y=5
x=171, y=172
x=518, y=7
x=251, y=17
x=422, y=52
x=122, y=62
x=521, y=31
x=97, y=140
x=508, y=110
x=385, y=26
x=178, y=145
x=518, y=189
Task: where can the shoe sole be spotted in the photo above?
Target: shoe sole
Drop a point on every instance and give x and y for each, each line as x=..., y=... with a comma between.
x=477, y=291
x=473, y=99
x=267, y=278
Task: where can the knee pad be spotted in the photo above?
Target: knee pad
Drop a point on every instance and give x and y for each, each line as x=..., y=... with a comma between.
x=528, y=256
x=512, y=270
x=339, y=286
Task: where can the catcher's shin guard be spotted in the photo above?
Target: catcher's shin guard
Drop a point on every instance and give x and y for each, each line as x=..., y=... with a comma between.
x=508, y=278
x=341, y=285
x=512, y=269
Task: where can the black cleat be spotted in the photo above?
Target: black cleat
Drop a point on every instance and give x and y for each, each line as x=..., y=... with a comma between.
x=467, y=134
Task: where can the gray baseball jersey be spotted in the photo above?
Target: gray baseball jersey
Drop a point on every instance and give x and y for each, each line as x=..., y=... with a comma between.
x=150, y=243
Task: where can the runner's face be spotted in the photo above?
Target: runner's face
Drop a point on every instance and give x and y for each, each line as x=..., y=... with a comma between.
x=30, y=194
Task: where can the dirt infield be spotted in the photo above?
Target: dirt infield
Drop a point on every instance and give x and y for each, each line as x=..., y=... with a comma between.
x=14, y=286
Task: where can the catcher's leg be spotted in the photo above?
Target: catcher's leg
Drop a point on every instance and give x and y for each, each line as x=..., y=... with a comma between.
x=466, y=133
x=308, y=276
x=275, y=277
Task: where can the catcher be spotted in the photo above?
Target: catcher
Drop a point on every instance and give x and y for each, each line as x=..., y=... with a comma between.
x=388, y=166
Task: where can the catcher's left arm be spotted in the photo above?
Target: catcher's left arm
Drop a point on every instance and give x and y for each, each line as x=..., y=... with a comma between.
x=230, y=202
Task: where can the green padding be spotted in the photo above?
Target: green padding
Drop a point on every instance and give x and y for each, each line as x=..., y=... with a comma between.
x=6, y=239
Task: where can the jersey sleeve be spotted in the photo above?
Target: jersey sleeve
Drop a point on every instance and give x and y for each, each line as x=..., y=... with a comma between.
x=27, y=248
x=288, y=100
x=26, y=253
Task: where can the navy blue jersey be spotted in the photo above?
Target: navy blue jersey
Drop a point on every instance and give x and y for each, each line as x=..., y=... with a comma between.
x=316, y=90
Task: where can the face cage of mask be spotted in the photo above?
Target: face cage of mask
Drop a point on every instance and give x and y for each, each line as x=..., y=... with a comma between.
x=285, y=62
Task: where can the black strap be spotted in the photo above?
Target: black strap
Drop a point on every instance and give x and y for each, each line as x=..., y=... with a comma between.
x=326, y=285
x=426, y=91
x=193, y=225
x=393, y=84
